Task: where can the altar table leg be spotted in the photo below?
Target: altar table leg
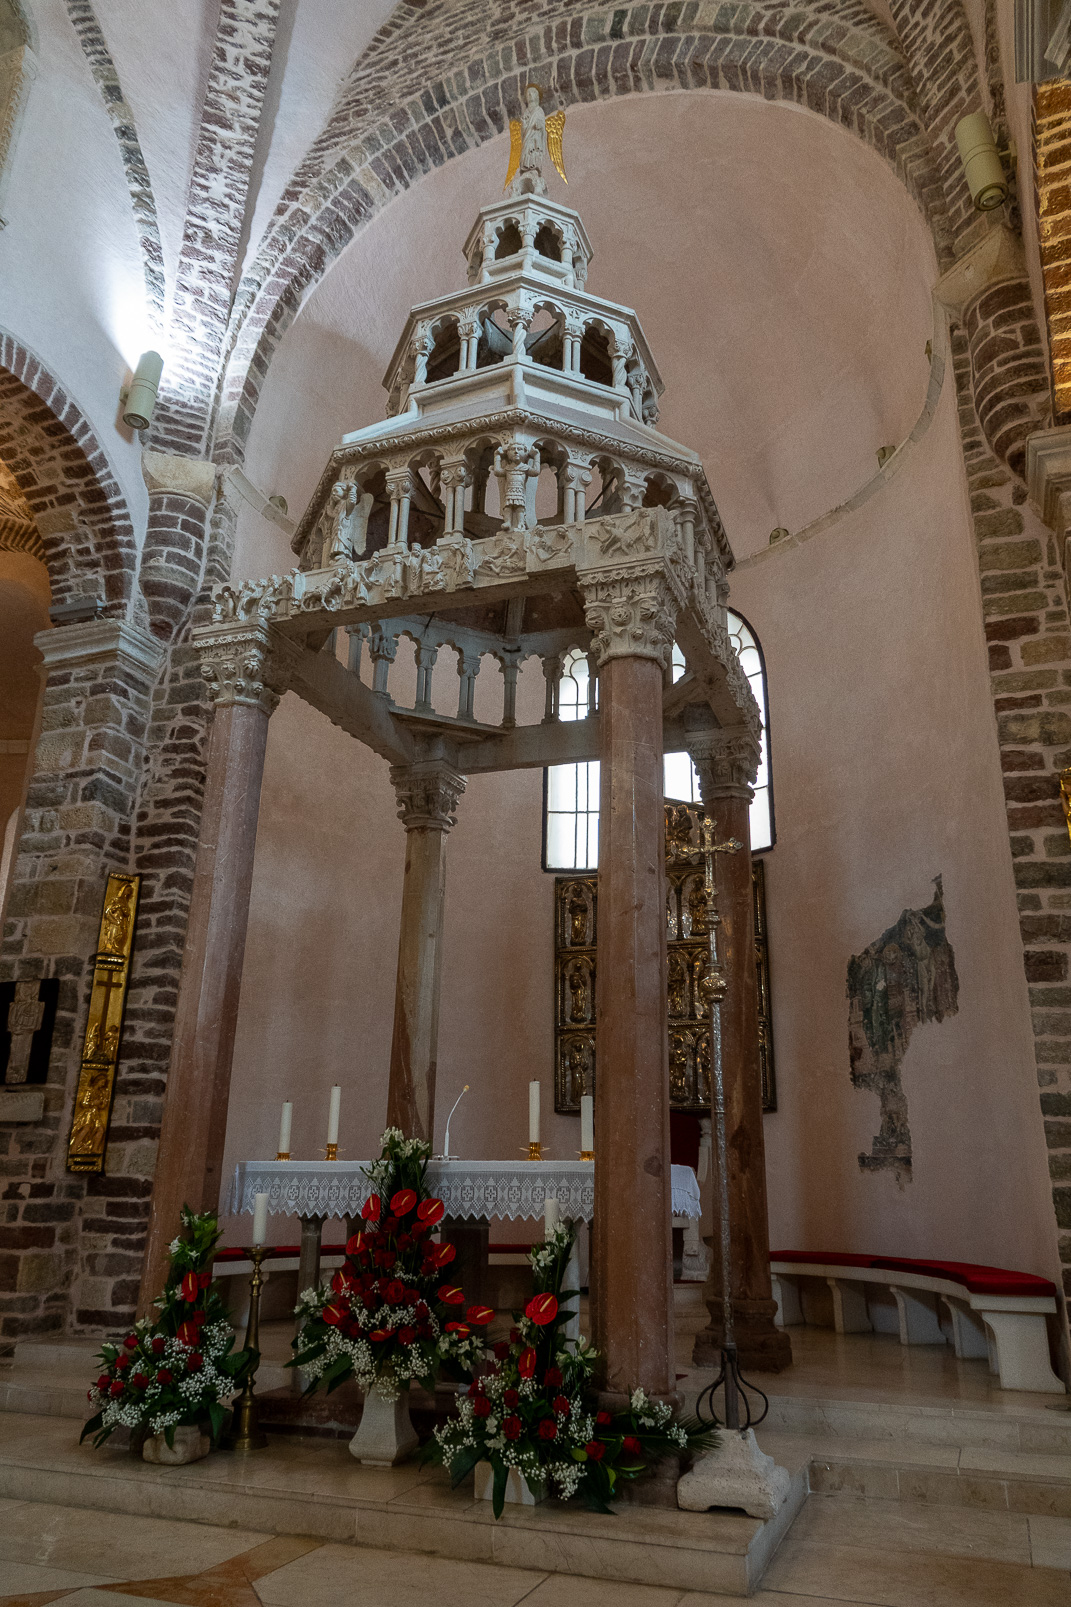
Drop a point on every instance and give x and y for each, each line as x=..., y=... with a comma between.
x=312, y=1228
x=469, y=1268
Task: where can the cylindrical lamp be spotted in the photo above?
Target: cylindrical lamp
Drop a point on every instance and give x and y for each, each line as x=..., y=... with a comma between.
x=141, y=397
x=982, y=166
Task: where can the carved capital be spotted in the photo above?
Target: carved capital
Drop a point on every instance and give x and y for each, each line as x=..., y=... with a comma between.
x=632, y=613
x=239, y=666
x=428, y=794
x=727, y=762
x=166, y=472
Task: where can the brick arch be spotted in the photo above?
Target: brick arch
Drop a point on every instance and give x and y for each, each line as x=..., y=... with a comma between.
x=394, y=123
x=64, y=476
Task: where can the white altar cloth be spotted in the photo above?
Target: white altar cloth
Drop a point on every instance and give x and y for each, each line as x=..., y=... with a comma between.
x=478, y=1190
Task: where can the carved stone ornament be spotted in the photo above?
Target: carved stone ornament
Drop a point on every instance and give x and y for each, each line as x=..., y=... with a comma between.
x=727, y=762
x=428, y=794
x=239, y=666
x=632, y=613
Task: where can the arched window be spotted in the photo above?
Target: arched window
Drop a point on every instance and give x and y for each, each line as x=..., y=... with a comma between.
x=571, y=829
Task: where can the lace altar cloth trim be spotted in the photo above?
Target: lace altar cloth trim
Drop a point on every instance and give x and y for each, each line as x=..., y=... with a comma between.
x=479, y=1190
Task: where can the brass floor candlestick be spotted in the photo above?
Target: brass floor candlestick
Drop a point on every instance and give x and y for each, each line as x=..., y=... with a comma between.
x=246, y=1433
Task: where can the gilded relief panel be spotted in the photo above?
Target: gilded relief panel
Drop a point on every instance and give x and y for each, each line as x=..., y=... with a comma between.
x=687, y=955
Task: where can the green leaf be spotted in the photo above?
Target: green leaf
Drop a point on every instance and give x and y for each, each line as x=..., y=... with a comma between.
x=463, y=1464
x=169, y=1436
x=217, y=1416
x=498, y=1494
x=92, y=1426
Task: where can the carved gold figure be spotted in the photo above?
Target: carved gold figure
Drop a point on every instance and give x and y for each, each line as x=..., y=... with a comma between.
x=100, y=1049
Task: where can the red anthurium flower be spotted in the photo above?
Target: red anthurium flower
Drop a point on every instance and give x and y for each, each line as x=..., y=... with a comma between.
x=164, y=1376
x=548, y=1429
x=596, y=1450
x=371, y=1208
x=103, y=1381
x=451, y=1295
x=441, y=1254
x=188, y=1289
x=542, y=1309
x=461, y=1329
x=511, y=1428
x=157, y=1345
x=204, y=1279
x=117, y=1387
x=510, y=1397
x=480, y=1316
x=632, y=1445
x=341, y=1281
x=402, y=1202
x=430, y=1211
x=379, y=1333
x=406, y=1335
x=552, y=1377
x=481, y=1406
x=355, y=1245
x=526, y=1362
x=196, y=1362
x=332, y=1316
x=561, y=1406
x=603, y=1419
x=131, y=1341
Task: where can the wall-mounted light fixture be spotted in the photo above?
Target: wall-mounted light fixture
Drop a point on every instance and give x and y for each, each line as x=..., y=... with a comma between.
x=139, y=398
x=982, y=166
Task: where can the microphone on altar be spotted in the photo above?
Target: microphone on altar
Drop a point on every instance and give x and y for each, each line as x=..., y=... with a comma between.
x=446, y=1156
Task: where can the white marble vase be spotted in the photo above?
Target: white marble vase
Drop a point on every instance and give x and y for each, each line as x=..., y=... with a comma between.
x=518, y=1490
x=191, y=1445
x=385, y=1434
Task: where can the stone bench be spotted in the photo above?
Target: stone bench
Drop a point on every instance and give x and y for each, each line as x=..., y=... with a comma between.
x=992, y=1313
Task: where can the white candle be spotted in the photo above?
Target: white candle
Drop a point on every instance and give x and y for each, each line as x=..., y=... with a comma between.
x=533, y=1113
x=260, y=1218
x=285, y=1123
x=550, y=1214
x=332, y=1120
x=587, y=1122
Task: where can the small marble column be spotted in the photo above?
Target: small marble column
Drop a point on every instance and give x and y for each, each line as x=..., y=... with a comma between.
x=632, y=1261
x=727, y=762
x=244, y=685
x=428, y=793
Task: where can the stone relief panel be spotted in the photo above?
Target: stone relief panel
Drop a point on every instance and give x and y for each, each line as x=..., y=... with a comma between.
x=904, y=979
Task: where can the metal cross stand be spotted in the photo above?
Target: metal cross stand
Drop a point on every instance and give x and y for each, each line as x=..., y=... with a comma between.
x=738, y=1411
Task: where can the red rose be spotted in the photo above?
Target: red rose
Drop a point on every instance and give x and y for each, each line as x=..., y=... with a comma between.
x=406, y=1335
x=526, y=1362
x=603, y=1419
x=596, y=1450
x=200, y=1318
x=123, y=1359
x=131, y=1341
x=163, y=1376
x=542, y=1309
x=481, y=1406
x=371, y=1208
x=430, y=1211
x=515, y=1336
x=386, y=1259
x=117, y=1387
x=404, y=1241
x=139, y=1381
x=394, y=1292
x=402, y=1203
x=451, y=1295
x=424, y=1331
x=103, y=1381
x=632, y=1445
x=480, y=1316
x=188, y=1289
x=461, y=1329
x=510, y=1397
x=476, y=1387
x=196, y=1362
x=561, y=1406
x=157, y=1345
x=421, y=1309
x=502, y=1349
x=552, y=1377
x=548, y=1429
x=379, y=1334
x=440, y=1255
x=511, y=1428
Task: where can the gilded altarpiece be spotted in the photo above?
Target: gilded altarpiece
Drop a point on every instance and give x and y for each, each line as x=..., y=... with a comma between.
x=104, y=1025
x=688, y=955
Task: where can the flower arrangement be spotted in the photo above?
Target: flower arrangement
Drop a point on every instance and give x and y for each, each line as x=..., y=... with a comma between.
x=178, y=1368
x=534, y=1409
x=390, y=1313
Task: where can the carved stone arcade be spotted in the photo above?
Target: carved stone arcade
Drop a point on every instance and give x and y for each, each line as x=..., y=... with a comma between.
x=521, y=376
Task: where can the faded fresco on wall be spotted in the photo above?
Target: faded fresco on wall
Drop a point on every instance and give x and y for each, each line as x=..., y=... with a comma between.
x=902, y=980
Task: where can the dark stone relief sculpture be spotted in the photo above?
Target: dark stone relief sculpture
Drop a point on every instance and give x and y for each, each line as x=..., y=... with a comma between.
x=904, y=979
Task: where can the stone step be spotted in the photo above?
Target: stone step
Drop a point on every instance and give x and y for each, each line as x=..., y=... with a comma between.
x=316, y=1488
x=1035, y=1424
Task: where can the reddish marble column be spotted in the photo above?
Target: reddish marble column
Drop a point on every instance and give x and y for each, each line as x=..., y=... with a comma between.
x=727, y=763
x=188, y=1166
x=428, y=792
x=631, y=1289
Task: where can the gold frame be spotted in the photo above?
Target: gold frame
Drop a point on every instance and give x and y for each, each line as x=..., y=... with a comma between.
x=104, y=1025
x=688, y=957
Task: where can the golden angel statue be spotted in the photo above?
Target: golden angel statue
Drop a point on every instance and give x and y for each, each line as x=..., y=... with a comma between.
x=530, y=137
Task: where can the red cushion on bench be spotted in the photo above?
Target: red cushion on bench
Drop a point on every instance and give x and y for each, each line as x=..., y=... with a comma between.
x=824, y=1258
x=977, y=1280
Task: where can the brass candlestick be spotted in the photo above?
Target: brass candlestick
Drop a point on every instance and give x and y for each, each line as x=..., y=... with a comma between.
x=246, y=1433
x=283, y=1155
x=331, y=1152
x=586, y=1154
x=535, y=1151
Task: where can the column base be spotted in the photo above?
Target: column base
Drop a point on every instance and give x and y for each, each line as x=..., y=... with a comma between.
x=761, y=1347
